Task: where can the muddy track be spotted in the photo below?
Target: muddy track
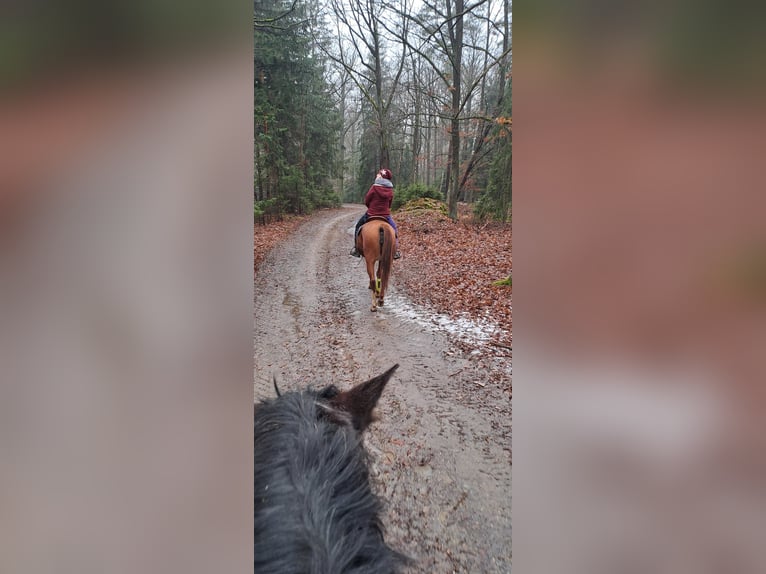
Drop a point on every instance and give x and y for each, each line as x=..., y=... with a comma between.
x=442, y=449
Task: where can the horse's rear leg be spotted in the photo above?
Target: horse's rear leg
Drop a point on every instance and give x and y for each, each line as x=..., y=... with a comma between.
x=373, y=286
x=379, y=288
x=374, y=306
x=380, y=293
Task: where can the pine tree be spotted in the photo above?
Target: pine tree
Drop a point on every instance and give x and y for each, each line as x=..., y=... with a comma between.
x=296, y=123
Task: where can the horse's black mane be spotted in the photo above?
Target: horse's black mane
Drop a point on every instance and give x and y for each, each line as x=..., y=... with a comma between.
x=314, y=509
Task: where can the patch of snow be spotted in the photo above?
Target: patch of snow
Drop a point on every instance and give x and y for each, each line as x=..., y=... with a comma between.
x=463, y=328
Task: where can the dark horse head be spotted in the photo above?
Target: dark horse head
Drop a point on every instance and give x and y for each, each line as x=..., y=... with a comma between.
x=314, y=509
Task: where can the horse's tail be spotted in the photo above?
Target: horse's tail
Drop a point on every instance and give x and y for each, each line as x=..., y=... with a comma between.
x=387, y=239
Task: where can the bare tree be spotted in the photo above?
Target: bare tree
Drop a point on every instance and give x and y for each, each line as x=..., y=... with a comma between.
x=373, y=67
x=437, y=37
x=480, y=149
x=421, y=88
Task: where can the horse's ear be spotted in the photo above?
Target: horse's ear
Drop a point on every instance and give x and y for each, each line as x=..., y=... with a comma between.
x=360, y=400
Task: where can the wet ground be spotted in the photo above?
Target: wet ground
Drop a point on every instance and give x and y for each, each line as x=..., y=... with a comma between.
x=442, y=449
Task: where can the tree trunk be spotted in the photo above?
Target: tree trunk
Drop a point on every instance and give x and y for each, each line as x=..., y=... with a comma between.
x=456, y=41
x=259, y=173
x=416, y=133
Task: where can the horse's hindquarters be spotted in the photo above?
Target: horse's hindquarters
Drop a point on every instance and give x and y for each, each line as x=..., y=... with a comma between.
x=378, y=244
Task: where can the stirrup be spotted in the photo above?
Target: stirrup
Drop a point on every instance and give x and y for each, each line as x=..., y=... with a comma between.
x=355, y=252
x=397, y=255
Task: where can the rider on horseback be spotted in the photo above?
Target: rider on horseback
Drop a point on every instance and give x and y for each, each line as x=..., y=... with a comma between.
x=378, y=201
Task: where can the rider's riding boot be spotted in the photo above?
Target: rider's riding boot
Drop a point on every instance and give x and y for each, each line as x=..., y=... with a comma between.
x=397, y=255
x=355, y=252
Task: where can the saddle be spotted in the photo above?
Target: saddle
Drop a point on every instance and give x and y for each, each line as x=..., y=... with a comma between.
x=371, y=218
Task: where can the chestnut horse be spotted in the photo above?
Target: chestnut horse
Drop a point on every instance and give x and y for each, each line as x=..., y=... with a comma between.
x=377, y=242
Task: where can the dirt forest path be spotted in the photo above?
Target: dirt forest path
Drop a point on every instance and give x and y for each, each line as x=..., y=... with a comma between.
x=442, y=449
